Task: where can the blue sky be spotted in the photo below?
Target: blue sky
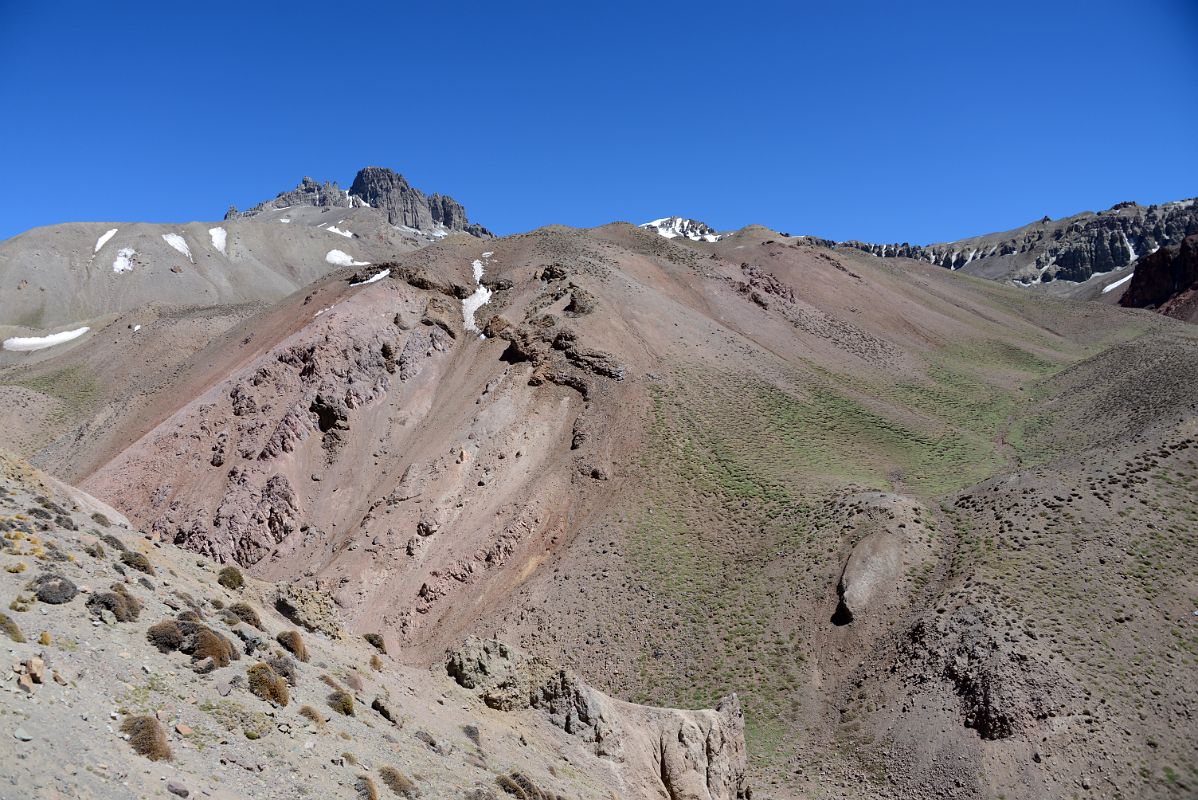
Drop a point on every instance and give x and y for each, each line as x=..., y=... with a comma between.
x=885, y=121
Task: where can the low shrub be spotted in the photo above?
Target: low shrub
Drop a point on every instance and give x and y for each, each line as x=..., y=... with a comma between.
x=376, y=641
x=137, y=561
x=293, y=643
x=53, y=589
x=165, y=635
x=122, y=605
x=342, y=702
x=113, y=542
x=246, y=613
x=264, y=682
x=398, y=783
x=210, y=644
x=230, y=577
x=310, y=713
x=146, y=737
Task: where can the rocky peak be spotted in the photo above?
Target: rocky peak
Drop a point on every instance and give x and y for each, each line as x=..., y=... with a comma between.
x=380, y=188
x=307, y=193
x=671, y=227
x=390, y=192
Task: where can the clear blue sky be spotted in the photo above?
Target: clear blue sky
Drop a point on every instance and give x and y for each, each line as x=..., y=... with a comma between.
x=880, y=120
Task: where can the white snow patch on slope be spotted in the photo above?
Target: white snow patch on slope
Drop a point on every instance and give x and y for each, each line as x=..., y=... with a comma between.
x=481, y=296
x=179, y=243
x=376, y=277
x=28, y=343
x=342, y=259
x=124, y=260
x=103, y=240
x=284, y=221
x=219, y=237
x=334, y=229
x=1117, y=283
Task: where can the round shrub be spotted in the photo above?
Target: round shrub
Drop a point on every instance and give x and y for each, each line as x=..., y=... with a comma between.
x=53, y=589
x=230, y=578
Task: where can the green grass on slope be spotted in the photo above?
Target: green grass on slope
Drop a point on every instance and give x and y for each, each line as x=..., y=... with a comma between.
x=735, y=529
x=75, y=386
x=708, y=541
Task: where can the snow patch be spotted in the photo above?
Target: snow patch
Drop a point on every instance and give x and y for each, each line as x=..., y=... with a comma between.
x=342, y=259
x=179, y=243
x=1118, y=283
x=136, y=328
x=219, y=237
x=671, y=227
x=284, y=221
x=103, y=240
x=481, y=296
x=124, y=260
x=376, y=277
x=338, y=231
x=29, y=343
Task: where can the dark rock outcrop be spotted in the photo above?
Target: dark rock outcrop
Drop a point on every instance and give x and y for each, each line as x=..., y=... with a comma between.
x=1168, y=281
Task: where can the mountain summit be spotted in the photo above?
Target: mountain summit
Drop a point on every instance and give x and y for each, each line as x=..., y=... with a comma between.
x=375, y=187
x=671, y=227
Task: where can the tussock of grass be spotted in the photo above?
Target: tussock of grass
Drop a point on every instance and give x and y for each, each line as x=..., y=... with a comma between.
x=147, y=737
x=398, y=783
x=310, y=713
x=10, y=628
x=293, y=643
x=264, y=682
